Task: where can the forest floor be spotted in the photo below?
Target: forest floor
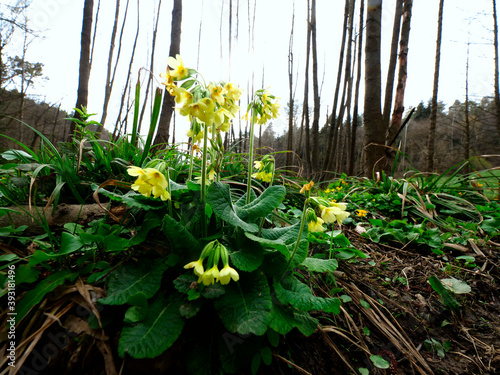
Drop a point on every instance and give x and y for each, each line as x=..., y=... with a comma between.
x=406, y=321
x=390, y=310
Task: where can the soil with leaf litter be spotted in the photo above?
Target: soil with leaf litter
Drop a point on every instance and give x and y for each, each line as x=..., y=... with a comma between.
x=389, y=310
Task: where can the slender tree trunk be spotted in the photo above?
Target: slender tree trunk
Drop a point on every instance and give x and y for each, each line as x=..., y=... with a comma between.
x=129, y=74
x=333, y=116
x=389, y=86
x=350, y=168
x=84, y=74
x=109, y=82
x=334, y=159
x=374, y=128
x=397, y=114
x=467, y=120
x=305, y=110
x=291, y=96
x=168, y=105
x=497, y=89
x=432, y=124
x=315, y=123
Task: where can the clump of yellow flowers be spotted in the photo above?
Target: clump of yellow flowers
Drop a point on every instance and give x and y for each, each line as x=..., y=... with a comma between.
x=265, y=169
x=329, y=211
x=213, y=252
x=265, y=107
x=213, y=105
x=150, y=181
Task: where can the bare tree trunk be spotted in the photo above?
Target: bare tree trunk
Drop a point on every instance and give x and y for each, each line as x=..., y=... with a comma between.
x=467, y=121
x=291, y=96
x=305, y=111
x=497, y=89
x=315, y=123
x=350, y=168
x=168, y=105
x=151, y=68
x=389, y=86
x=109, y=81
x=333, y=116
x=432, y=124
x=397, y=114
x=84, y=75
x=129, y=74
x=374, y=128
x=334, y=162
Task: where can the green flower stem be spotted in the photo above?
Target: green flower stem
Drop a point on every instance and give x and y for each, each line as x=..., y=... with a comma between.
x=204, y=178
x=301, y=230
x=191, y=159
x=169, y=189
x=250, y=158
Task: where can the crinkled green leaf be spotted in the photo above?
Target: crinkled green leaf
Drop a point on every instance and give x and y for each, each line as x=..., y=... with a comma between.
x=179, y=236
x=291, y=291
x=285, y=318
x=379, y=362
x=269, y=200
x=219, y=197
x=245, y=307
x=131, y=278
x=456, y=286
x=246, y=255
x=320, y=265
x=156, y=333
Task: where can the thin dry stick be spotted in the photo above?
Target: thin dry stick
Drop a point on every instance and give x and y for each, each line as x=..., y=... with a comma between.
x=298, y=368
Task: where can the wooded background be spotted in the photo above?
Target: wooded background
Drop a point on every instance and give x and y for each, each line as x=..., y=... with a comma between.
x=363, y=129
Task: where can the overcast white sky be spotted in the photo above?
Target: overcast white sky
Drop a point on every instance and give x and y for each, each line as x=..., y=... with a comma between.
x=59, y=22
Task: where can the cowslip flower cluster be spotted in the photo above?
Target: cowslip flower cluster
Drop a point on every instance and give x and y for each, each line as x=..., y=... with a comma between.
x=150, y=181
x=265, y=169
x=265, y=107
x=213, y=252
x=314, y=223
x=214, y=105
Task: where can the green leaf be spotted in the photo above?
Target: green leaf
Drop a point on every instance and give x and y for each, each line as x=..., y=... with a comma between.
x=379, y=362
x=131, y=278
x=269, y=200
x=45, y=286
x=26, y=274
x=248, y=256
x=285, y=318
x=180, y=237
x=292, y=291
x=69, y=243
x=447, y=297
x=364, y=371
x=156, y=333
x=245, y=307
x=267, y=355
x=365, y=304
x=320, y=265
x=456, y=286
x=8, y=257
x=219, y=197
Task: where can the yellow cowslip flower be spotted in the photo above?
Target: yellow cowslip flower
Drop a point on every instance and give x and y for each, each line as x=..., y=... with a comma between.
x=327, y=191
x=198, y=267
x=221, y=119
x=216, y=93
x=226, y=274
x=169, y=81
x=361, y=213
x=182, y=95
x=232, y=92
x=206, y=110
x=257, y=164
x=335, y=213
x=307, y=187
x=209, y=277
x=195, y=137
x=178, y=71
x=316, y=226
x=339, y=187
x=263, y=176
x=149, y=181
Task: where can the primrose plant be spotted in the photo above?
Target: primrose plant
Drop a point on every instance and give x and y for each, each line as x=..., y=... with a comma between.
x=228, y=281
